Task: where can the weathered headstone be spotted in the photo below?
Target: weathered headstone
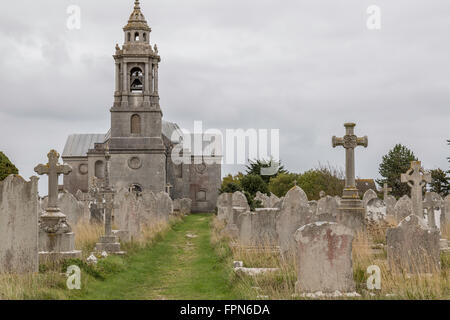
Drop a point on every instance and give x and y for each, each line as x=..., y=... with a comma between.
x=376, y=210
x=413, y=247
x=164, y=206
x=71, y=207
x=327, y=208
x=385, y=191
x=126, y=215
x=19, y=225
x=351, y=210
x=324, y=258
x=433, y=204
x=56, y=239
x=224, y=205
x=263, y=198
x=148, y=214
x=445, y=214
x=258, y=228
x=403, y=208
x=390, y=202
x=295, y=212
x=416, y=178
x=369, y=195
x=239, y=200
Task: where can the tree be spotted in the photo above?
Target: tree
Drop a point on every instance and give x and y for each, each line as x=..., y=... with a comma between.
x=282, y=183
x=6, y=167
x=254, y=167
x=231, y=184
x=440, y=182
x=253, y=183
x=397, y=161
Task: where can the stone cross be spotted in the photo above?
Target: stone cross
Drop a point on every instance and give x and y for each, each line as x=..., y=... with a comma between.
x=108, y=196
x=350, y=141
x=386, y=190
x=168, y=188
x=416, y=178
x=53, y=169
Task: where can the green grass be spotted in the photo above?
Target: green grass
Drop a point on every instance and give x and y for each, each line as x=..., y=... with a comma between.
x=176, y=267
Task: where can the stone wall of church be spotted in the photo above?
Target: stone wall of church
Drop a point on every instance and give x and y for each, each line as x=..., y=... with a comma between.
x=143, y=169
x=204, y=184
x=78, y=178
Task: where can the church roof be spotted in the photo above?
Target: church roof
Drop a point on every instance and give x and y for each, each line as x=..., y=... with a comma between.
x=77, y=145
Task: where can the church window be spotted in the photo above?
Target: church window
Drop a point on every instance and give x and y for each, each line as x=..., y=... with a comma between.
x=135, y=124
x=136, y=188
x=99, y=169
x=136, y=36
x=129, y=37
x=145, y=36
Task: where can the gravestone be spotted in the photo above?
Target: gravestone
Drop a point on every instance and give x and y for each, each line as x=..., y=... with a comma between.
x=148, y=214
x=273, y=200
x=295, y=212
x=416, y=178
x=376, y=210
x=413, y=247
x=445, y=214
x=369, y=195
x=324, y=258
x=126, y=215
x=72, y=208
x=434, y=205
x=403, y=208
x=164, y=206
x=263, y=198
x=239, y=199
x=351, y=210
x=313, y=206
x=185, y=206
x=258, y=228
x=327, y=208
x=56, y=239
x=390, y=202
x=19, y=225
x=224, y=205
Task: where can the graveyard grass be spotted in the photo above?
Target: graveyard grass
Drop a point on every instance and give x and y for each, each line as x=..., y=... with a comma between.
x=367, y=250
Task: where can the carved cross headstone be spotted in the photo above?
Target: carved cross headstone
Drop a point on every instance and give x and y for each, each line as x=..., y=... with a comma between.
x=386, y=191
x=53, y=169
x=416, y=178
x=350, y=141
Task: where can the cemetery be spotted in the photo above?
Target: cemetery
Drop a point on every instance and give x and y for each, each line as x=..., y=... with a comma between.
x=128, y=223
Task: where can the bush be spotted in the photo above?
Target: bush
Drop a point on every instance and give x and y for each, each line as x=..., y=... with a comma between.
x=6, y=167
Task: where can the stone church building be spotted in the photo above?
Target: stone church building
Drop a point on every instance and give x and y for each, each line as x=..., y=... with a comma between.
x=140, y=142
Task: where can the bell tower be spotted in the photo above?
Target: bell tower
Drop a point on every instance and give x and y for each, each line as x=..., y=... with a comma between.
x=137, y=151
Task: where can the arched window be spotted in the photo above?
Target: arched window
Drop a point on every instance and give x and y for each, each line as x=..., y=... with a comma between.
x=136, y=36
x=99, y=169
x=135, y=124
x=129, y=37
x=136, y=80
x=136, y=188
x=144, y=36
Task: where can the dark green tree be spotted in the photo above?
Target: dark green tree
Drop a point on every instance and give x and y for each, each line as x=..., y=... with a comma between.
x=440, y=182
x=254, y=168
x=6, y=167
x=230, y=187
x=253, y=183
x=397, y=161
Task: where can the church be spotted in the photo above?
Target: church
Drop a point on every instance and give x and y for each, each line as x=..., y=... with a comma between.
x=140, y=142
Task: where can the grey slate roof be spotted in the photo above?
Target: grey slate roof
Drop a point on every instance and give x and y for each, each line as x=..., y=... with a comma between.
x=77, y=145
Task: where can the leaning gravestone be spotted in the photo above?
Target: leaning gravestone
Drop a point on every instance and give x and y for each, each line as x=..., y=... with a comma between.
x=376, y=210
x=19, y=225
x=295, y=212
x=258, y=228
x=403, y=208
x=413, y=247
x=324, y=258
x=369, y=195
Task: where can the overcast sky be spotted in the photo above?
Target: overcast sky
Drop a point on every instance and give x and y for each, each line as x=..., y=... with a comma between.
x=302, y=66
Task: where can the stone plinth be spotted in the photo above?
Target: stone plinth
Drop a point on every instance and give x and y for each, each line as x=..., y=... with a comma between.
x=110, y=244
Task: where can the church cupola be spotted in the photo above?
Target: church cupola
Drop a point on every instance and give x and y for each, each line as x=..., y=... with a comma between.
x=137, y=30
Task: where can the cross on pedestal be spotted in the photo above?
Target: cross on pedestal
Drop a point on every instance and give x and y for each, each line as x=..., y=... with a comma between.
x=386, y=191
x=53, y=169
x=416, y=178
x=350, y=141
x=108, y=196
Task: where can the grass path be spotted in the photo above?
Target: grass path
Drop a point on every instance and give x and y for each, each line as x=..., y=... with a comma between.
x=177, y=267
